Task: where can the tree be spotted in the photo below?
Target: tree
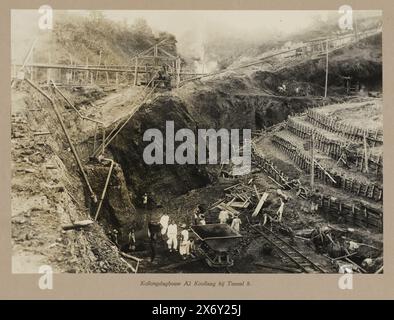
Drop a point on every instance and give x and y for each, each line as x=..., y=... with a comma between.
x=96, y=16
x=170, y=44
x=141, y=27
x=142, y=34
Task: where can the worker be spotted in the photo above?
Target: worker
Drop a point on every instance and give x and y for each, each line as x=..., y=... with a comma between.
x=192, y=247
x=115, y=237
x=184, y=247
x=223, y=216
x=282, y=194
x=152, y=233
x=265, y=218
x=202, y=220
x=282, y=88
x=131, y=237
x=172, y=233
x=353, y=246
x=236, y=223
x=279, y=213
x=145, y=200
x=195, y=215
x=314, y=207
x=152, y=245
x=166, y=78
x=367, y=263
x=69, y=77
x=159, y=75
x=164, y=223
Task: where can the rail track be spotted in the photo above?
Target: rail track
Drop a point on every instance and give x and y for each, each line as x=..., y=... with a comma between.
x=289, y=253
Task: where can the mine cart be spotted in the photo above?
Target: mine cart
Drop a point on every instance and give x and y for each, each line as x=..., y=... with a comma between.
x=214, y=241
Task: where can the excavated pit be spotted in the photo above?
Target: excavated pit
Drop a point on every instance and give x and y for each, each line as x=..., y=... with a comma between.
x=166, y=182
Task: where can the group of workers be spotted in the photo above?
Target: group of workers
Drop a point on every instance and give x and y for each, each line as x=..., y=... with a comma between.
x=113, y=235
x=169, y=233
x=225, y=217
x=296, y=91
x=179, y=239
x=277, y=217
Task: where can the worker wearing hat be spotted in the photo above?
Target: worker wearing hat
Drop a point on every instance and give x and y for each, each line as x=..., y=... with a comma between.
x=184, y=247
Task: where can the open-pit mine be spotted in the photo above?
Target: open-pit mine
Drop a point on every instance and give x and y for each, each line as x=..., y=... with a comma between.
x=304, y=111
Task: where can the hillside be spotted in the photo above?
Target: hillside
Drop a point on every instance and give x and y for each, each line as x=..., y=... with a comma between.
x=79, y=39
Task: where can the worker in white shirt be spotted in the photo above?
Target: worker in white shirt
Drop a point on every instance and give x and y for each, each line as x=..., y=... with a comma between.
x=172, y=233
x=279, y=213
x=236, y=223
x=184, y=247
x=223, y=216
x=164, y=223
x=265, y=218
x=202, y=220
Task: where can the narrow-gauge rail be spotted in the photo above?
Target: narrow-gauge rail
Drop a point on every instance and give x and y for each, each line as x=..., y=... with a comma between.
x=288, y=251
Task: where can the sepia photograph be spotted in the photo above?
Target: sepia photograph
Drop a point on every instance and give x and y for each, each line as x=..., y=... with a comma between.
x=197, y=141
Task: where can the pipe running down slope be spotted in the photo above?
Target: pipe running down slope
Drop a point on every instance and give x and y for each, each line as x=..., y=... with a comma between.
x=74, y=151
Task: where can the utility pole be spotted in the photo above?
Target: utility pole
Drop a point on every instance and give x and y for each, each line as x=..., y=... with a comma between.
x=20, y=71
x=178, y=71
x=97, y=73
x=87, y=71
x=32, y=68
x=49, y=71
x=203, y=59
x=365, y=153
x=136, y=71
x=155, y=54
x=312, y=161
x=325, y=88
